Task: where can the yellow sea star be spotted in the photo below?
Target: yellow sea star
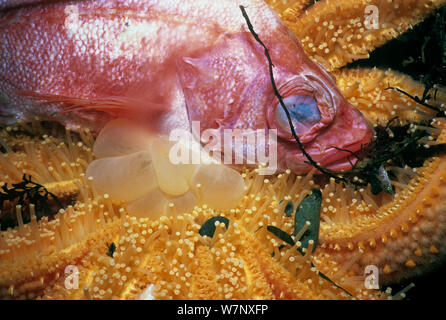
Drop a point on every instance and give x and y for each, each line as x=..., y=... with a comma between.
x=241, y=261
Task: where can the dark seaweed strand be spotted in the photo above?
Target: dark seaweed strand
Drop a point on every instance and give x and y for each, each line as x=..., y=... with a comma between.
x=12, y=194
x=345, y=150
x=39, y=186
x=325, y=171
x=323, y=276
x=351, y=152
x=434, y=71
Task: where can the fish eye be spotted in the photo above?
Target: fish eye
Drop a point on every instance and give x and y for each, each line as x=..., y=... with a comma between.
x=303, y=111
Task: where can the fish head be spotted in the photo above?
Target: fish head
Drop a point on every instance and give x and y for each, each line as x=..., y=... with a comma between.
x=229, y=86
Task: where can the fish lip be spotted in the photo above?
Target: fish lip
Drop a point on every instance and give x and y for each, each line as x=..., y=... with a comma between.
x=352, y=151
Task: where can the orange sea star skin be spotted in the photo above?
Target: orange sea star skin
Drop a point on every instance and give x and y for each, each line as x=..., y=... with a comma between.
x=403, y=237
x=28, y=277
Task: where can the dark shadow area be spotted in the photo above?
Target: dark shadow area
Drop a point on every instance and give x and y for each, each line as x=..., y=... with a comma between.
x=418, y=53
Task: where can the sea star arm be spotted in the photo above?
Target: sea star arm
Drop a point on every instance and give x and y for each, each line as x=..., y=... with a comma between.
x=369, y=90
x=403, y=238
x=335, y=33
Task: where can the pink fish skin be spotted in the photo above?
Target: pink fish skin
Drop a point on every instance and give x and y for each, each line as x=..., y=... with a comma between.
x=168, y=63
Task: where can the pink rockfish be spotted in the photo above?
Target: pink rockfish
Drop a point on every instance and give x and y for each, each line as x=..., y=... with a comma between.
x=170, y=62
